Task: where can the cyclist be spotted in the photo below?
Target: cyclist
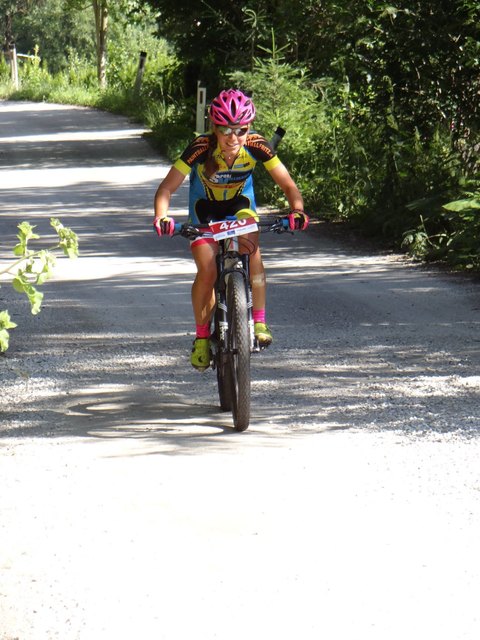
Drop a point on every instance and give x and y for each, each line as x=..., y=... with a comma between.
x=220, y=165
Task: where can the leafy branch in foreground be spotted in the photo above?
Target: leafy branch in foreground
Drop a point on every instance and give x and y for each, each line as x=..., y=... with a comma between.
x=33, y=268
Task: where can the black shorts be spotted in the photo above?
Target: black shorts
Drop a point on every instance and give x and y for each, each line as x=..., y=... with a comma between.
x=211, y=210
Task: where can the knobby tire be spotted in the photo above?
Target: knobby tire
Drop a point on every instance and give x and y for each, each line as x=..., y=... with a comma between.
x=224, y=374
x=239, y=350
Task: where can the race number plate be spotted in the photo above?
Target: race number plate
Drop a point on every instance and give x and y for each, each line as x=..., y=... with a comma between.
x=230, y=228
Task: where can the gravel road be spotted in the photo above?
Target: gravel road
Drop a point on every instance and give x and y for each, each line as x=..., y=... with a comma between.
x=130, y=508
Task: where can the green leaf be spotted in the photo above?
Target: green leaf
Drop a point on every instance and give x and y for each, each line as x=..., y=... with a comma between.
x=389, y=11
x=43, y=276
x=22, y=285
x=4, y=338
x=19, y=250
x=26, y=232
x=35, y=297
x=5, y=325
x=18, y=284
x=462, y=205
x=5, y=321
x=43, y=266
x=68, y=238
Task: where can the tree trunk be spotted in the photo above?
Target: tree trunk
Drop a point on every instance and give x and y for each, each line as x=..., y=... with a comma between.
x=100, y=8
x=8, y=29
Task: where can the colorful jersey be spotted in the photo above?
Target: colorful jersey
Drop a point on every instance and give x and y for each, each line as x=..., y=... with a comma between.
x=227, y=183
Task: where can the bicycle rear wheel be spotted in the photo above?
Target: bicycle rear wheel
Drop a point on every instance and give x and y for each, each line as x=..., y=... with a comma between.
x=239, y=350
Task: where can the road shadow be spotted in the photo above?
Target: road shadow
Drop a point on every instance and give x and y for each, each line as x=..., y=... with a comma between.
x=151, y=396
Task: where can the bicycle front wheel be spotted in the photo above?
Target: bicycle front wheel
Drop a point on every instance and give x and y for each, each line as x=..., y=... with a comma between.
x=239, y=349
x=224, y=371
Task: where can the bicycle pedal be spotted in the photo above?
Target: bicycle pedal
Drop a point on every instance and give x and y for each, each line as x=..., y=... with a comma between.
x=257, y=346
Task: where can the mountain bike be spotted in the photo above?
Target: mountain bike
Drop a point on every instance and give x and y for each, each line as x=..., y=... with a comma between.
x=233, y=339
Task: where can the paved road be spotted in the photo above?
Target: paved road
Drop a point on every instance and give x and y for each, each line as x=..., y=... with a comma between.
x=129, y=507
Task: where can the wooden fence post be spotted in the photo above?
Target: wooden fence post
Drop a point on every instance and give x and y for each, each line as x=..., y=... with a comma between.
x=201, y=107
x=10, y=51
x=140, y=71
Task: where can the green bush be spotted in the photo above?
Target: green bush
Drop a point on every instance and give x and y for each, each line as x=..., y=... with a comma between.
x=172, y=126
x=448, y=231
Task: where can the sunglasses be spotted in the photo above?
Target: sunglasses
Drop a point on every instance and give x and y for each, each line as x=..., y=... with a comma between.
x=227, y=131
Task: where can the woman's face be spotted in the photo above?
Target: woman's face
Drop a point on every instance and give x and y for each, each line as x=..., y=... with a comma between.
x=231, y=139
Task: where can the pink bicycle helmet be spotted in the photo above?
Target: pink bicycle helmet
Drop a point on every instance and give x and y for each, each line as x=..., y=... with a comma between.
x=232, y=107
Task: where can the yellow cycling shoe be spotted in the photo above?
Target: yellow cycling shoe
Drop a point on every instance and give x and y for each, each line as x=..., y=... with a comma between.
x=201, y=354
x=262, y=334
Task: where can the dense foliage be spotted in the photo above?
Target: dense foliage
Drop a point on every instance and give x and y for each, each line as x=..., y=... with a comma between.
x=395, y=130
x=380, y=101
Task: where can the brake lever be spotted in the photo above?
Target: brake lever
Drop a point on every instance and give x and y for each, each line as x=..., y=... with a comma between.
x=280, y=226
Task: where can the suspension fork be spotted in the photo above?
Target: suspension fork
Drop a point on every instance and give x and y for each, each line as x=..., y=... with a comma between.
x=221, y=300
x=227, y=264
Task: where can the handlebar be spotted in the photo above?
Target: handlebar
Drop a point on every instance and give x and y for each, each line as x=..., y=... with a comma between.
x=280, y=225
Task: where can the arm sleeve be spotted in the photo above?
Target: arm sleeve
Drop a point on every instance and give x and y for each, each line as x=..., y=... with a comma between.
x=272, y=163
x=182, y=167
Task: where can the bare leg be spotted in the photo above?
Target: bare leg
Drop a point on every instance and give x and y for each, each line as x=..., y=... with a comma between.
x=203, y=295
x=257, y=274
